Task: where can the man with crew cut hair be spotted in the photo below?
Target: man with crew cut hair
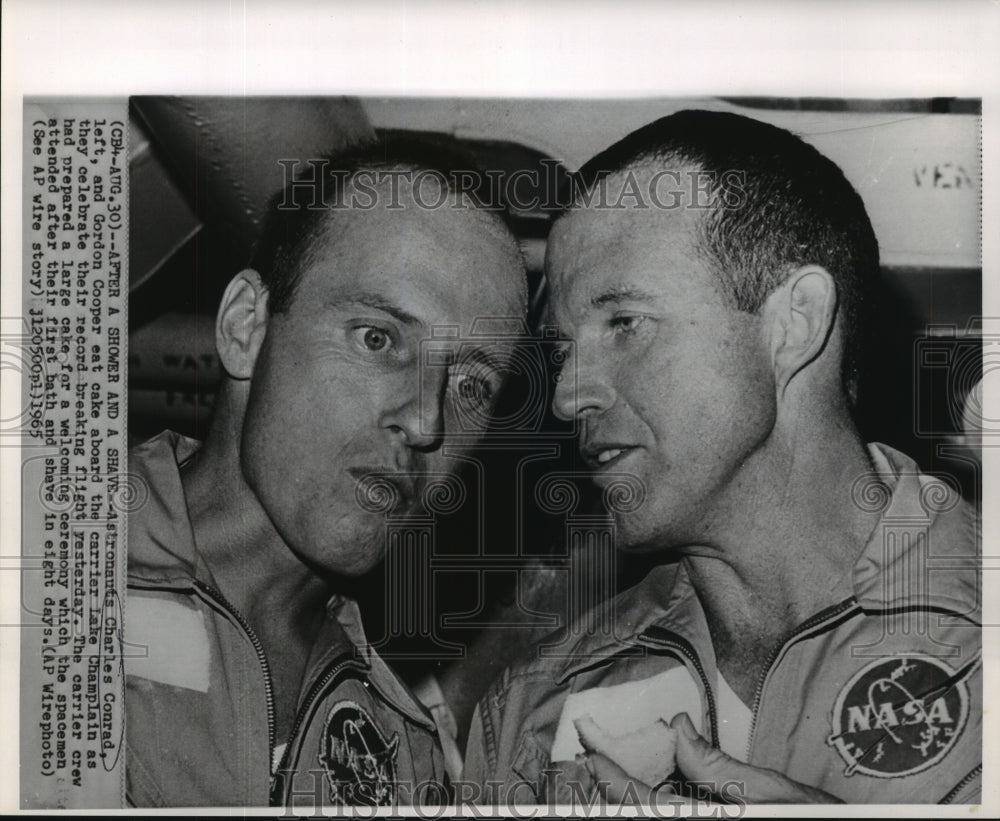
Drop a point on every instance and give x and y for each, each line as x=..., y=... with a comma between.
x=258, y=685
x=813, y=632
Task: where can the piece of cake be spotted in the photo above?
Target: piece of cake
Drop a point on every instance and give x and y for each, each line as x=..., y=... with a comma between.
x=647, y=754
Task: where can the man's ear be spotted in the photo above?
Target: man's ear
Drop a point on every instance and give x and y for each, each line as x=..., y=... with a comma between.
x=802, y=314
x=241, y=324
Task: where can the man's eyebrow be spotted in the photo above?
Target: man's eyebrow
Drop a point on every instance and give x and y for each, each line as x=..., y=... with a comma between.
x=379, y=303
x=617, y=295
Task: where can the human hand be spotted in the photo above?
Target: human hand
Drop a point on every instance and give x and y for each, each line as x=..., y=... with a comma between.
x=725, y=777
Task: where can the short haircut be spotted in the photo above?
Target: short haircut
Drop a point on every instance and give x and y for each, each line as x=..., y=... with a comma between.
x=297, y=216
x=786, y=206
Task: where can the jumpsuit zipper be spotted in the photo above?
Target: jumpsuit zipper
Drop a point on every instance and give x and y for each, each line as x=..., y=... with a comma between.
x=665, y=638
x=222, y=602
x=332, y=669
x=808, y=624
x=961, y=785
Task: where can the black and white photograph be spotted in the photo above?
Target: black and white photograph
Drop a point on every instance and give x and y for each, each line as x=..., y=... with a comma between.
x=501, y=448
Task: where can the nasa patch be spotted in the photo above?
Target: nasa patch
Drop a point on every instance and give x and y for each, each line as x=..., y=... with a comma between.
x=899, y=716
x=360, y=764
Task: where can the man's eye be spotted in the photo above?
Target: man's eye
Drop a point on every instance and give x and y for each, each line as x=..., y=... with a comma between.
x=627, y=323
x=473, y=390
x=374, y=339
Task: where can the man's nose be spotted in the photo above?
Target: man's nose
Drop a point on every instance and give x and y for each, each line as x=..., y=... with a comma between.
x=581, y=388
x=416, y=411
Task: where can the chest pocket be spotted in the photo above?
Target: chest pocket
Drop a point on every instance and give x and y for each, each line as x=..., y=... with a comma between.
x=529, y=762
x=141, y=788
x=542, y=781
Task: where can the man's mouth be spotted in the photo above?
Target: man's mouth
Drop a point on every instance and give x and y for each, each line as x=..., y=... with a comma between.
x=373, y=482
x=598, y=457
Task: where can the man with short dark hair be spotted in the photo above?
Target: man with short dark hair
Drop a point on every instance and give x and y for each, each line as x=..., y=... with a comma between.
x=258, y=684
x=813, y=635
